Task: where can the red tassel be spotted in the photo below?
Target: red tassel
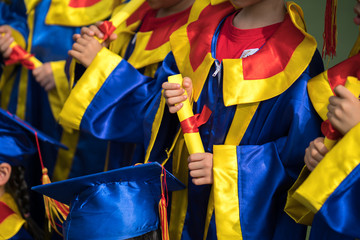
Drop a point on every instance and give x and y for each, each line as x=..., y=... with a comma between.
x=54, y=209
x=330, y=30
x=163, y=206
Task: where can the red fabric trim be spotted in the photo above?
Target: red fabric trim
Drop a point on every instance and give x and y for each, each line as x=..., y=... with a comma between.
x=139, y=14
x=192, y=124
x=82, y=3
x=200, y=32
x=338, y=74
x=162, y=27
x=5, y=211
x=274, y=56
x=19, y=55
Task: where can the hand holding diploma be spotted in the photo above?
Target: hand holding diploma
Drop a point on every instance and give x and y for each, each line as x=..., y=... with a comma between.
x=16, y=54
x=93, y=38
x=340, y=107
x=108, y=27
x=188, y=121
x=200, y=162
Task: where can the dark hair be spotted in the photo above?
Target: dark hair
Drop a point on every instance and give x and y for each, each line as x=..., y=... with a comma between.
x=153, y=235
x=6, y=1
x=18, y=189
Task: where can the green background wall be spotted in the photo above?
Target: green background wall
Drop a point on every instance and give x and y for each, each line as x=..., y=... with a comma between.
x=314, y=11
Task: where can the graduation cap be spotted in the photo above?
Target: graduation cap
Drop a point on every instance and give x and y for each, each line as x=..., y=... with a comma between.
x=118, y=204
x=16, y=141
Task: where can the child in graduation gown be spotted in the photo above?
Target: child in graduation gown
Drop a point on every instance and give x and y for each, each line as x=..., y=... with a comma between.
x=260, y=124
x=37, y=95
x=13, y=217
x=328, y=189
x=143, y=41
x=17, y=141
x=14, y=197
x=261, y=120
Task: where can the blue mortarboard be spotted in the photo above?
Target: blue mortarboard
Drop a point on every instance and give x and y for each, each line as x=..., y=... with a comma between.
x=15, y=138
x=117, y=204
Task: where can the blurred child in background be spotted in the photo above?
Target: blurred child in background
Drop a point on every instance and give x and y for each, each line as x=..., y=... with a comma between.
x=142, y=42
x=17, y=141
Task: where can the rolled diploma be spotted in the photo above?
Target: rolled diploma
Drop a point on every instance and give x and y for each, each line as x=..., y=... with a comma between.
x=30, y=58
x=192, y=140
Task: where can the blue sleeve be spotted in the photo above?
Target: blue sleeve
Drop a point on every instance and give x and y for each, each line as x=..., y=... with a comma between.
x=340, y=214
x=125, y=100
x=14, y=14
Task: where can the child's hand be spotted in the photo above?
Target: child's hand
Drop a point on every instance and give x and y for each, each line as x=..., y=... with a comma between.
x=344, y=110
x=44, y=76
x=94, y=31
x=85, y=49
x=173, y=94
x=5, y=41
x=201, y=168
x=315, y=153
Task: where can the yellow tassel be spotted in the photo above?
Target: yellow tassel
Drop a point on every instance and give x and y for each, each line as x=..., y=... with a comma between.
x=54, y=209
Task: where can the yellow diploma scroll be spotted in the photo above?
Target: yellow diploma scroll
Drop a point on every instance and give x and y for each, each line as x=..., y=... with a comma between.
x=192, y=139
x=329, y=144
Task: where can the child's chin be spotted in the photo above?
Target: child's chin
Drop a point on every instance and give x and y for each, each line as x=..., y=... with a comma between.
x=357, y=20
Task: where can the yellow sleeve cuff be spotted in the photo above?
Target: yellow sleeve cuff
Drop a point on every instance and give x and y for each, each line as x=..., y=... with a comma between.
x=330, y=172
x=293, y=207
x=87, y=87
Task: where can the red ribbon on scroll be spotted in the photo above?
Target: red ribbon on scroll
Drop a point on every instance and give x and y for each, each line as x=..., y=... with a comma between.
x=19, y=55
x=107, y=28
x=192, y=124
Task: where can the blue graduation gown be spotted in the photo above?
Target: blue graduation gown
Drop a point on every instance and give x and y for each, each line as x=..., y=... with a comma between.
x=110, y=73
x=23, y=96
x=258, y=130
